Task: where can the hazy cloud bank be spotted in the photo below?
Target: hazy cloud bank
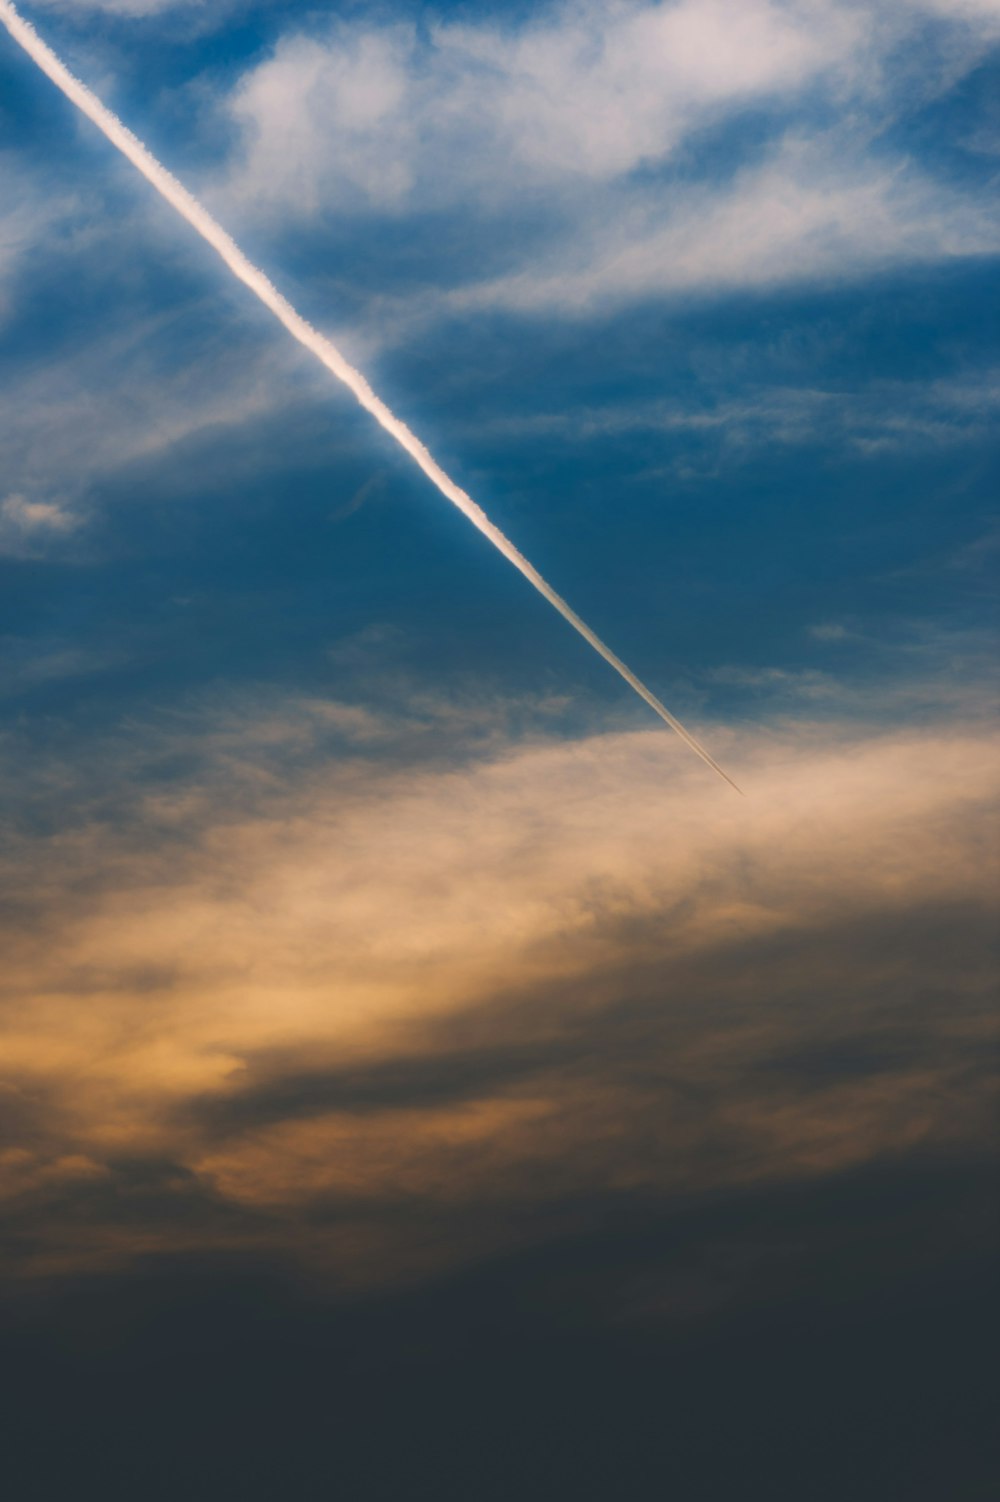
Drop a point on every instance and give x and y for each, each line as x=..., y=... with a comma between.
x=479, y=993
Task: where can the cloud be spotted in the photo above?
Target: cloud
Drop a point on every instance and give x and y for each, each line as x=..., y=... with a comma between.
x=974, y=10
x=587, y=134
x=27, y=528
x=880, y=416
x=486, y=987
x=805, y=214
x=143, y=389
x=131, y=9
x=372, y=114
x=34, y=516
x=599, y=92
x=833, y=631
x=29, y=212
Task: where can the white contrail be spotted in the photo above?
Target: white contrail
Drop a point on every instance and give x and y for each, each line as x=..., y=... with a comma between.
x=199, y=218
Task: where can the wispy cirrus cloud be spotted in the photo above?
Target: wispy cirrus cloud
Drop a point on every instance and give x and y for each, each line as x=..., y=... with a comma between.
x=881, y=416
x=645, y=150
x=29, y=212
x=803, y=215
x=101, y=405
x=132, y=9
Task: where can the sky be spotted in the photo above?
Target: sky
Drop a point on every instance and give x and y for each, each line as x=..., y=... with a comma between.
x=419, y=1074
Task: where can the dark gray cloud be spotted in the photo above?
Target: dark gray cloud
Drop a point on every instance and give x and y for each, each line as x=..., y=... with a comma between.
x=828, y=1336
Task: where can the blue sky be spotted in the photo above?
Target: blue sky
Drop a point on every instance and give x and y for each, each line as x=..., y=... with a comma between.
x=364, y=927
x=714, y=343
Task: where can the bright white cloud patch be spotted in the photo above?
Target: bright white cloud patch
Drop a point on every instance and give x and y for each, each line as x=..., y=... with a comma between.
x=599, y=90
x=381, y=114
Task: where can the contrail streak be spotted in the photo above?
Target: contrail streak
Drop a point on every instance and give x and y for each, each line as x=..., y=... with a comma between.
x=178, y=196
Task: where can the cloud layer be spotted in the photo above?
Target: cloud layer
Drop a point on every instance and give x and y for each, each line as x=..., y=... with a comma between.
x=477, y=993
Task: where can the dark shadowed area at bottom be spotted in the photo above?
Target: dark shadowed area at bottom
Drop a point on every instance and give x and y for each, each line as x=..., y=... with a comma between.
x=825, y=1341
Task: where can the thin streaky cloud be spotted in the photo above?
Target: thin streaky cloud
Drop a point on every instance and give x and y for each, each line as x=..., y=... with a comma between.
x=324, y=350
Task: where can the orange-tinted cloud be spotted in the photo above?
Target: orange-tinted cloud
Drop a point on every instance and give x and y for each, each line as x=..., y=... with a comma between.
x=391, y=1016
